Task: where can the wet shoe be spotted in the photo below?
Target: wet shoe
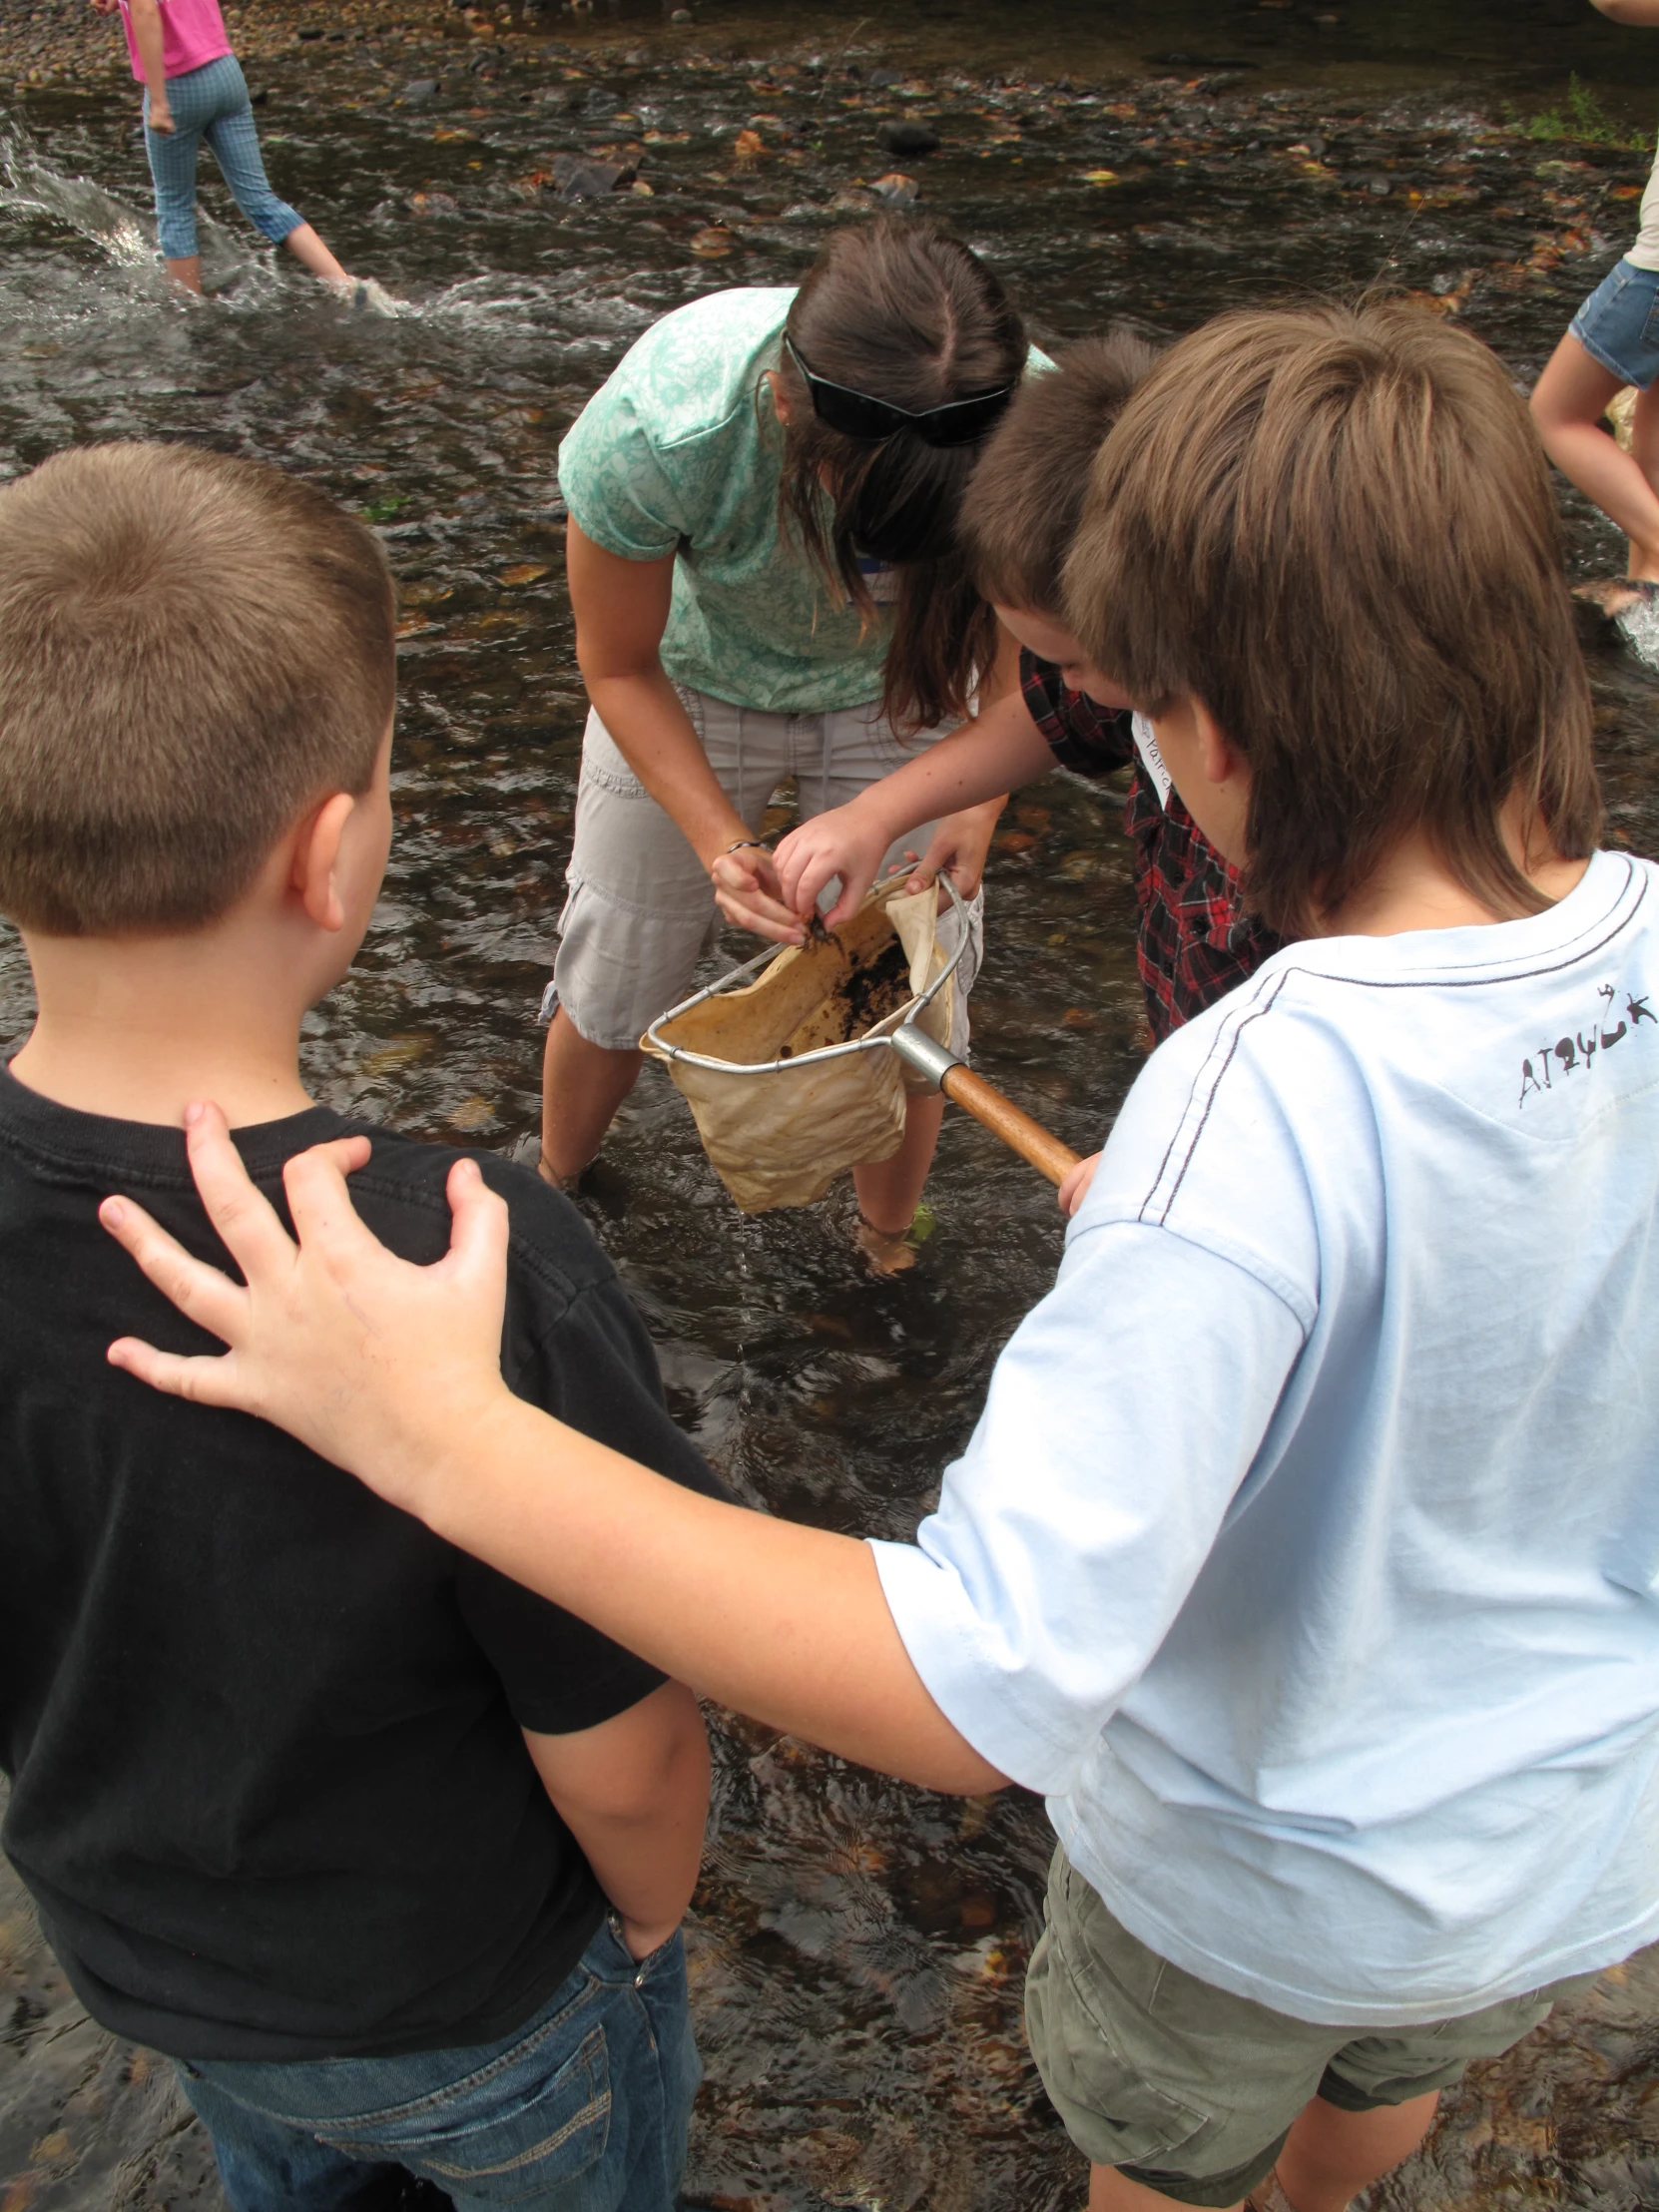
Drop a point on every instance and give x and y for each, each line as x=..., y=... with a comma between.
x=372, y=297
x=364, y=295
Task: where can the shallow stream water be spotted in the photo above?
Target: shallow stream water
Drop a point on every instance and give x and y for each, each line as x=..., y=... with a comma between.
x=858, y=1947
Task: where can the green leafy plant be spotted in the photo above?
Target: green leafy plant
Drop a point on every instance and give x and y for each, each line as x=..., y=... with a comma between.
x=1581, y=118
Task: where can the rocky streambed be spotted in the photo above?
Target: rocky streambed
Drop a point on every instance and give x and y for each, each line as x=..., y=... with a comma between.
x=857, y=1947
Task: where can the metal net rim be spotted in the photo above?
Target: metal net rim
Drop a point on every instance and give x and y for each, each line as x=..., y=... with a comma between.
x=871, y=1041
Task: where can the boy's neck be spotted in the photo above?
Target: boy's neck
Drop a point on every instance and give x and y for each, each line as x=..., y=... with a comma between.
x=1414, y=889
x=138, y=1027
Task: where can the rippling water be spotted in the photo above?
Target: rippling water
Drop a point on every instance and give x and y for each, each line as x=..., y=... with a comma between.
x=858, y=1947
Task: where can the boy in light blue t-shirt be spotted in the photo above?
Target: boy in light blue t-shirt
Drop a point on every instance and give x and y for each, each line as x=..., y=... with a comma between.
x=1305, y=1555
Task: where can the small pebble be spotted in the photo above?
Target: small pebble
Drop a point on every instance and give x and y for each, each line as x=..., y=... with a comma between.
x=895, y=192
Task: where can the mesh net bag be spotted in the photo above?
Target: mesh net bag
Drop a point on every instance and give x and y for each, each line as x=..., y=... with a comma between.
x=792, y=1084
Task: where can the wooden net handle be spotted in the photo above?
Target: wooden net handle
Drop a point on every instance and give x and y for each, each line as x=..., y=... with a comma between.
x=1006, y=1120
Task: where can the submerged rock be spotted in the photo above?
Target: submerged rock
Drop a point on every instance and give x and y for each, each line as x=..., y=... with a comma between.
x=907, y=138
x=577, y=179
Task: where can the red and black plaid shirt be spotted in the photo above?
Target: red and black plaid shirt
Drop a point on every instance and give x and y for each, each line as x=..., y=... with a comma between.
x=1196, y=942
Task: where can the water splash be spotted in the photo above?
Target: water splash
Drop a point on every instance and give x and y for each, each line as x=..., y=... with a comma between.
x=30, y=187
x=1638, y=624
x=120, y=234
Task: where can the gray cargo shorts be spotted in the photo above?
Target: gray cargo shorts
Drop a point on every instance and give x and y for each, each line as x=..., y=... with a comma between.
x=640, y=911
x=1190, y=2090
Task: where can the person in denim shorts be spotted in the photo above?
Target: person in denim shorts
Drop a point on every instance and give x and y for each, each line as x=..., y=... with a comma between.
x=1613, y=342
x=194, y=90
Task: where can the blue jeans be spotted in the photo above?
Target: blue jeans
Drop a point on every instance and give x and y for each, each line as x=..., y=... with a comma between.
x=586, y=2108
x=1618, y=325
x=210, y=103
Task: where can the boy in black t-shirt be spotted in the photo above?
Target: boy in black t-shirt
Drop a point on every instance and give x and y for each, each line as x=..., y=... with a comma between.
x=390, y=1855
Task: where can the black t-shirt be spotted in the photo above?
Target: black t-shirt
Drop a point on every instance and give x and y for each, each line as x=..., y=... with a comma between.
x=269, y=1785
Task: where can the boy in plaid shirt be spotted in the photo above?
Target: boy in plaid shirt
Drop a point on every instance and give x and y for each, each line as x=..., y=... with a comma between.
x=1195, y=942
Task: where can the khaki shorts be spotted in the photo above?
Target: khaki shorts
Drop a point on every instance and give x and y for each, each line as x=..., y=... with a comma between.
x=640, y=912
x=1190, y=2090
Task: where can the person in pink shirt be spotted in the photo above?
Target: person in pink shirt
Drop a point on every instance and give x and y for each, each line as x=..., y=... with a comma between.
x=195, y=89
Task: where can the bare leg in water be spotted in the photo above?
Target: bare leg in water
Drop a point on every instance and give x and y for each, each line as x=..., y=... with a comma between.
x=583, y=1085
x=303, y=244
x=1328, y=2157
x=1569, y=403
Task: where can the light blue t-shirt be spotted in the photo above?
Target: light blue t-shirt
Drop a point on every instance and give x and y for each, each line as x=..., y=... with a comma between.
x=1306, y=1553
x=679, y=451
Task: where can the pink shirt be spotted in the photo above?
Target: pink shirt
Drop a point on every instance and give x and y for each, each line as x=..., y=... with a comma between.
x=193, y=34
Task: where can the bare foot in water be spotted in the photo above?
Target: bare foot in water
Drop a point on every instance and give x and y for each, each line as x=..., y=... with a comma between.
x=1618, y=595
x=888, y=1252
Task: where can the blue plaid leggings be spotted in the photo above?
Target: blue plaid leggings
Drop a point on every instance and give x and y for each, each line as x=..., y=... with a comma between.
x=210, y=103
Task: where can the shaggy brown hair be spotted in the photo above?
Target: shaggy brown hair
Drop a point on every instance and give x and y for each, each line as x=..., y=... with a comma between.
x=899, y=311
x=1021, y=510
x=1334, y=526
x=193, y=651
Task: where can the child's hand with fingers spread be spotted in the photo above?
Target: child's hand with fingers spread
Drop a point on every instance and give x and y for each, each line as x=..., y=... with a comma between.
x=844, y=841
x=1075, y=1188
x=381, y=1366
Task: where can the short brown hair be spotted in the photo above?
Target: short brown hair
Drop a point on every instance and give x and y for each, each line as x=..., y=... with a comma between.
x=1026, y=499
x=1334, y=526
x=193, y=650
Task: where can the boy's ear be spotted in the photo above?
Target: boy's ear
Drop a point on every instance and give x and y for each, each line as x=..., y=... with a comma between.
x=779, y=398
x=316, y=855
x=1219, y=758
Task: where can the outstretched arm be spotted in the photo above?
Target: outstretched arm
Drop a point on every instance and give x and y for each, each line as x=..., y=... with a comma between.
x=988, y=756
x=392, y=1371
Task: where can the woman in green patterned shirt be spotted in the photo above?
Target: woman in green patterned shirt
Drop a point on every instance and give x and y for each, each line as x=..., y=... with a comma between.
x=762, y=567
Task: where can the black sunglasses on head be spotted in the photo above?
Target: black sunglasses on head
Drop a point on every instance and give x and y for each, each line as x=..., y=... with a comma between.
x=857, y=415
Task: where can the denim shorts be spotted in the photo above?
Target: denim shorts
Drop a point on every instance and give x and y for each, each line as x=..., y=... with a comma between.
x=585, y=2108
x=1190, y=2090
x=640, y=911
x=1618, y=325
